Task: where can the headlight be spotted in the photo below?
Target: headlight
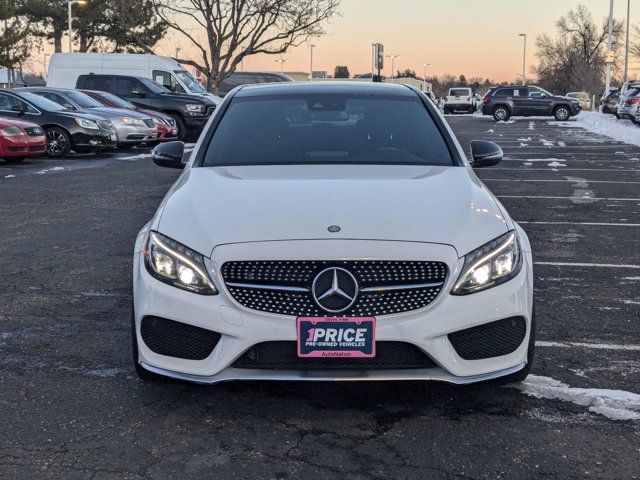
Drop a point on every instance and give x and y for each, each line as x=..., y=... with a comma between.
x=87, y=124
x=490, y=265
x=173, y=263
x=10, y=132
x=132, y=121
x=194, y=107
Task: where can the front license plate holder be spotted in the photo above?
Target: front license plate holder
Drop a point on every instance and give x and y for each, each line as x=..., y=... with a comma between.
x=336, y=337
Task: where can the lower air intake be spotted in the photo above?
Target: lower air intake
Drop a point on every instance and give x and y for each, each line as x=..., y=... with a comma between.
x=490, y=339
x=179, y=340
x=283, y=356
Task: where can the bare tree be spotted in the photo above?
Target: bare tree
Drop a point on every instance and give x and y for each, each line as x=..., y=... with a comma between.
x=575, y=59
x=226, y=31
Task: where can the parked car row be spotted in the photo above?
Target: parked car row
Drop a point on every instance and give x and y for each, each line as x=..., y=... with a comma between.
x=623, y=102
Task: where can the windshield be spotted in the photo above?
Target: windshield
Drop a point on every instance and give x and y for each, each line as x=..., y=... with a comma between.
x=83, y=100
x=458, y=92
x=117, y=101
x=327, y=129
x=153, y=86
x=42, y=102
x=189, y=81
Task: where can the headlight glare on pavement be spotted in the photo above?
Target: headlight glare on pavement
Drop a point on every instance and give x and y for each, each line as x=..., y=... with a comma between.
x=177, y=265
x=490, y=265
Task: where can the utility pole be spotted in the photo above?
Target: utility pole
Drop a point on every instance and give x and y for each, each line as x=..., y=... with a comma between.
x=393, y=58
x=71, y=3
x=312, y=46
x=609, y=51
x=424, y=75
x=524, y=58
x=626, y=45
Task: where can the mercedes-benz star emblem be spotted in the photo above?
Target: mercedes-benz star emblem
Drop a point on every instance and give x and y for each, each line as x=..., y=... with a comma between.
x=335, y=289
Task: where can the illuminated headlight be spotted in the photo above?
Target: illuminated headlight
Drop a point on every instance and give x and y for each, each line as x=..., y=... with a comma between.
x=88, y=124
x=132, y=121
x=490, y=265
x=173, y=263
x=194, y=108
x=10, y=132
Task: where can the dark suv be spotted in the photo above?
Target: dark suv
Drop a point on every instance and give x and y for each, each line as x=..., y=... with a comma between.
x=190, y=112
x=524, y=100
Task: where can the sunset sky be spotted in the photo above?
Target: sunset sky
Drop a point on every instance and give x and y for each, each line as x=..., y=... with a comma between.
x=461, y=36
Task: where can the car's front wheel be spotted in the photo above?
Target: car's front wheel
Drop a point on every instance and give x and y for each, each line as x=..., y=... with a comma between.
x=561, y=113
x=58, y=142
x=501, y=114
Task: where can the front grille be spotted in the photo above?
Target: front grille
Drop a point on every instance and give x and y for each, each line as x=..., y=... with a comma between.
x=283, y=356
x=38, y=148
x=490, y=339
x=284, y=287
x=17, y=149
x=176, y=339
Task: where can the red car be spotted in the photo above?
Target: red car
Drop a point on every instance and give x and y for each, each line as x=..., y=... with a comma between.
x=165, y=125
x=19, y=140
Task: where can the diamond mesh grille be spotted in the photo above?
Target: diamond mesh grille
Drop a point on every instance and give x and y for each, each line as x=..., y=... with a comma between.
x=300, y=274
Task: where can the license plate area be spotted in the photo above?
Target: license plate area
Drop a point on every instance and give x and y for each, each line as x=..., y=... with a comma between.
x=336, y=337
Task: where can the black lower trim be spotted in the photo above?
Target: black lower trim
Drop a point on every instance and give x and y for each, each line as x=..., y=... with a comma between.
x=176, y=339
x=283, y=356
x=489, y=340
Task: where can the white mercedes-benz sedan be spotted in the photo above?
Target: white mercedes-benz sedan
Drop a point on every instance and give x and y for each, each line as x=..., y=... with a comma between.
x=331, y=231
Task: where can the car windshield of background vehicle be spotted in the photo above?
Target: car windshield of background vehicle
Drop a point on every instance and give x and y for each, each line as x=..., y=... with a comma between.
x=83, y=100
x=43, y=103
x=117, y=101
x=327, y=129
x=154, y=87
x=459, y=92
x=189, y=81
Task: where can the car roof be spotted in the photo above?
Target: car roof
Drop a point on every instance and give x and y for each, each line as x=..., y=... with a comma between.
x=310, y=88
x=111, y=75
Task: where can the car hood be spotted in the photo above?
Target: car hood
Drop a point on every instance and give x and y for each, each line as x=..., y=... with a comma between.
x=4, y=123
x=152, y=114
x=447, y=205
x=80, y=114
x=189, y=98
x=114, y=113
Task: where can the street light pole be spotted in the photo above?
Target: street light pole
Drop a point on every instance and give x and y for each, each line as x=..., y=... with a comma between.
x=312, y=46
x=626, y=45
x=393, y=58
x=424, y=76
x=524, y=58
x=281, y=61
x=609, y=51
x=70, y=3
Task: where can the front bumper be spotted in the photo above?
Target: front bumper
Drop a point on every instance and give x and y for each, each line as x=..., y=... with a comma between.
x=95, y=139
x=22, y=146
x=242, y=328
x=132, y=135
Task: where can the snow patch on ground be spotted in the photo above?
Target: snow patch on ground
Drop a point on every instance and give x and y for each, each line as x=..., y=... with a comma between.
x=613, y=404
x=556, y=164
x=527, y=139
x=9, y=176
x=608, y=126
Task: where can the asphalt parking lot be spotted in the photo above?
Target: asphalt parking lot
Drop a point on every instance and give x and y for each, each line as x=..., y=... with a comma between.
x=71, y=406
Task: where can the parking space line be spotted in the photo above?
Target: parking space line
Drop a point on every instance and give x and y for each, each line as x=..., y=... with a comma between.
x=573, y=198
x=594, y=265
x=596, y=346
x=589, y=224
x=553, y=180
x=565, y=169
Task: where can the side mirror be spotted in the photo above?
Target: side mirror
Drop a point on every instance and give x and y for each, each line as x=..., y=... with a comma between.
x=18, y=108
x=138, y=93
x=168, y=155
x=485, y=154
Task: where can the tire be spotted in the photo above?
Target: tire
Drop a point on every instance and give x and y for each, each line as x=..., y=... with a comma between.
x=562, y=113
x=58, y=142
x=14, y=159
x=472, y=109
x=521, y=375
x=501, y=113
x=144, y=374
x=181, y=126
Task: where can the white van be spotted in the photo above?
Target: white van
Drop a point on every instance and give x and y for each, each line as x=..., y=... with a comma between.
x=65, y=68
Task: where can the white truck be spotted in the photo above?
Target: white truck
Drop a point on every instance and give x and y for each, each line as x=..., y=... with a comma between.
x=460, y=99
x=65, y=68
